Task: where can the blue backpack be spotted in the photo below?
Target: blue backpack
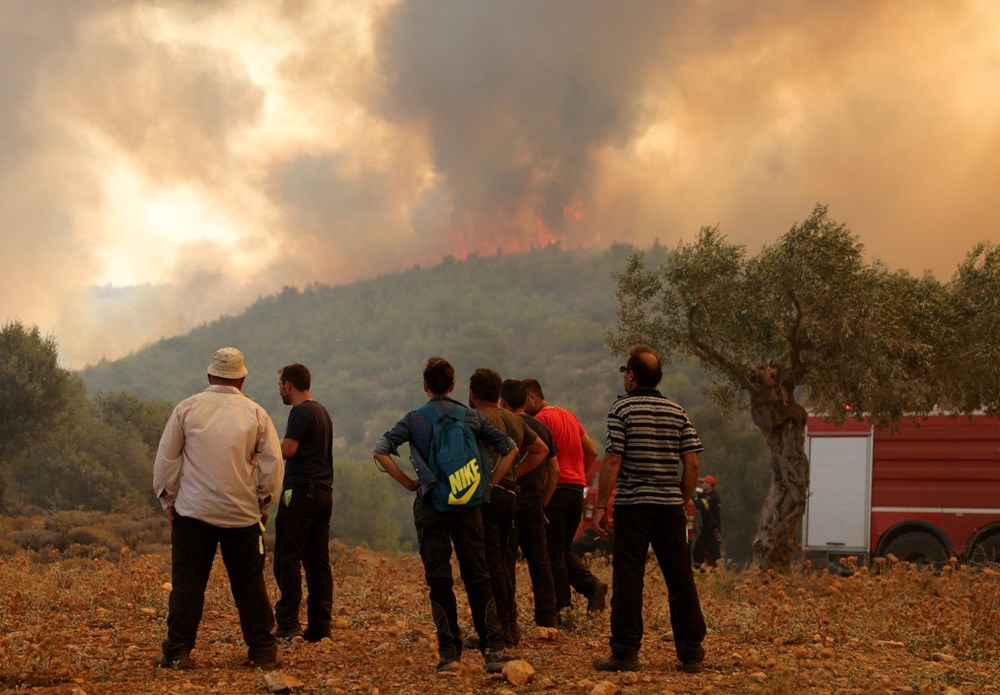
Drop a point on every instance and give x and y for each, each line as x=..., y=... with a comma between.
x=454, y=460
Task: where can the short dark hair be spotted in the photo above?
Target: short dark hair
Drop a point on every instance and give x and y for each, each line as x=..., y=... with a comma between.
x=439, y=375
x=644, y=365
x=485, y=384
x=297, y=375
x=532, y=386
x=514, y=392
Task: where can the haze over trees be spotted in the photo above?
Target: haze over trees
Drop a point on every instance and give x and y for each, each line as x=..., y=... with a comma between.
x=545, y=314
x=808, y=322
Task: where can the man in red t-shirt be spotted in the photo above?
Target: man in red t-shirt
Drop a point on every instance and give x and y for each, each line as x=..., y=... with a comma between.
x=577, y=455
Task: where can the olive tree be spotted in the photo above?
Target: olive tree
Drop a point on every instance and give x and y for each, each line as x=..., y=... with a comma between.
x=804, y=322
x=35, y=392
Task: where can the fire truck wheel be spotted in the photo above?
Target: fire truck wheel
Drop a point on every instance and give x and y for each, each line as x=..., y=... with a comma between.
x=987, y=550
x=917, y=547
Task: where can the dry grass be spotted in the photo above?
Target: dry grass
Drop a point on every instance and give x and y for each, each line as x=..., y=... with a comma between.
x=93, y=623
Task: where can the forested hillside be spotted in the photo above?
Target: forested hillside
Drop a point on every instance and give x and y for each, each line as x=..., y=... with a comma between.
x=542, y=314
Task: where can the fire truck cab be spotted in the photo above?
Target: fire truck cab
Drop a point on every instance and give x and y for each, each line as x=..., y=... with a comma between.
x=925, y=493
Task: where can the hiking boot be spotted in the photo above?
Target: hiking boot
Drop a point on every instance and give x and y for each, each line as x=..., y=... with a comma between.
x=614, y=663
x=178, y=662
x=495, y=659
x=691, y=667
x=471, y=643
x=289, y=633
x=599, y=599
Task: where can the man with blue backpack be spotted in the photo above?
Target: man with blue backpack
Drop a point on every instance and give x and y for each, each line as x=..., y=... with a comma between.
x=453, y=480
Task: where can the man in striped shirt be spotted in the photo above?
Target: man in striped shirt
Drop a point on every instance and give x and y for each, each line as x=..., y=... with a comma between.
x=652, y=459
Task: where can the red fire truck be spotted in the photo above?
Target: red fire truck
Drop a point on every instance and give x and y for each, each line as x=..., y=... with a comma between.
x=928, y=492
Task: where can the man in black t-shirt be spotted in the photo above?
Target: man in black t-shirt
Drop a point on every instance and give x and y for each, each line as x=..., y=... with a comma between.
x=500, y=510
x=302, y=525
x=536, y=488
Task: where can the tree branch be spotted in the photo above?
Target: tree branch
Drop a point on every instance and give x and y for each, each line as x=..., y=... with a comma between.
x=714, y=357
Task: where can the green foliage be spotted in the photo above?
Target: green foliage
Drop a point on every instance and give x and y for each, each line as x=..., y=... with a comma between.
x=34, y=391
x=60, y=450
x=971, y=363
x=365, y=512
x=807, y=307
x=84, y=463
x=125, y=412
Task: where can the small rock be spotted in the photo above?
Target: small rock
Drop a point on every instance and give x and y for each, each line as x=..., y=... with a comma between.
x=546, y=634
x=668, y=636
x=952, y=691
x=942, y=657
x=341, y=623
x=546, y=683
x=518, y=672
x=131, y=650
x=148, y=611
x=506, y=691
x=277, y=682
x=605, y=688
x=167, y=586
x=759, y=676
x=630, y=679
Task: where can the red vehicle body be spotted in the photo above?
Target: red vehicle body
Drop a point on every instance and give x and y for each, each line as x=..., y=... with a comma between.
x=925, y=493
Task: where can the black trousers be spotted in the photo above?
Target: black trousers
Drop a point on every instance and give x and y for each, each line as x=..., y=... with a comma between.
x=193, y=549
x=706, y=547
x=664, y=527
x=498, y=520
x=436, y=533
x=564, y=512
x=302, y=539
x=529, y=536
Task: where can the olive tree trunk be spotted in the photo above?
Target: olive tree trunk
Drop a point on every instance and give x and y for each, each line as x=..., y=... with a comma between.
x=782, y=422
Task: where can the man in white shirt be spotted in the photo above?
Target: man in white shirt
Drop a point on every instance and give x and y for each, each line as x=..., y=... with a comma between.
x=217, y=468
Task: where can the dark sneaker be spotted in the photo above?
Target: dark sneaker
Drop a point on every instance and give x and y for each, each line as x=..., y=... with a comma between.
x=265, y=660
x=471, y=643
x=599, y=599
x=176, y=661
x=515, y=635
x=691, y=667
x=449, y=665
x=314, y=636
x=614, y=663
x=288, y=634
x=495, y=659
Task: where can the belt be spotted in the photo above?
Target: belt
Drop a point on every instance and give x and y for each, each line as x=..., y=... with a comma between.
x=506, y=486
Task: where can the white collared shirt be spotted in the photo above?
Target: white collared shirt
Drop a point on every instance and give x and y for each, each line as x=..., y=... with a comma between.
x=219, y=456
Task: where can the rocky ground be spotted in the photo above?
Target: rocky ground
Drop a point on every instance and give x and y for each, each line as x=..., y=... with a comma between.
x=83, y=625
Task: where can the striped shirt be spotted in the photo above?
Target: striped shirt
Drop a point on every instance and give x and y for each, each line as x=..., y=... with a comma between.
x=650, y=433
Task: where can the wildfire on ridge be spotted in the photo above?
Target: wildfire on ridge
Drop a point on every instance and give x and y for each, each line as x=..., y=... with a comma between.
x=573, y=210
x=473, y=235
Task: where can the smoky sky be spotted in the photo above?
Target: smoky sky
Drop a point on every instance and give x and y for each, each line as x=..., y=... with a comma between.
x=162, y=164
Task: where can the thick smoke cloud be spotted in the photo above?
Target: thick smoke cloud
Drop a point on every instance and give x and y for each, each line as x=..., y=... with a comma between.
x=164, y=163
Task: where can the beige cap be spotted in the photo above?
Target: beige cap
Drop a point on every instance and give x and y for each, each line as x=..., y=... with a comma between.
x=227, y=363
